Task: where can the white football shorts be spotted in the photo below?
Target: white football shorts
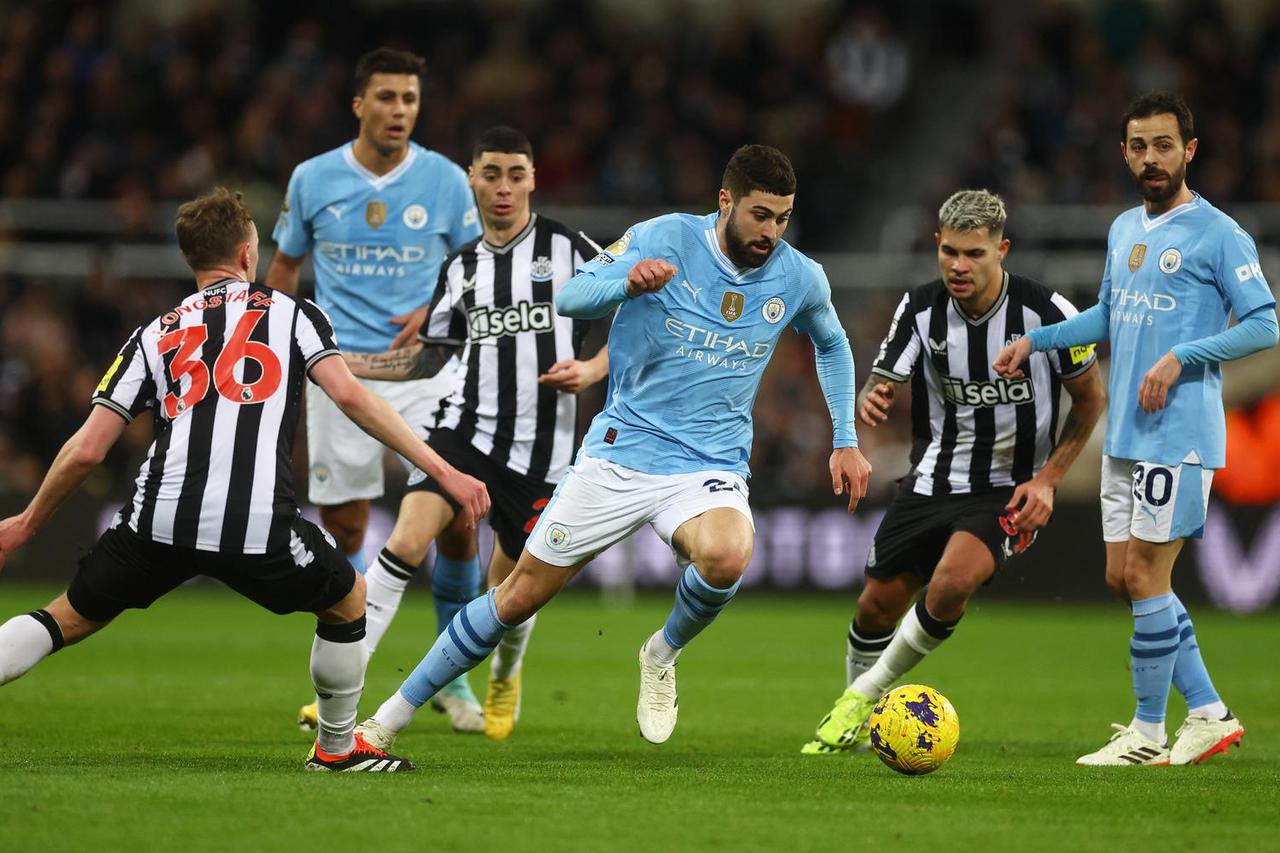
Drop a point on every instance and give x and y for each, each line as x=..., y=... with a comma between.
x=1153, y=502
x=346, y=462
x=598, y=503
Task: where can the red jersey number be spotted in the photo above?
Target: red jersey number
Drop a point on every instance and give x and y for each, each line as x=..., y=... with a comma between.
x=238, y=348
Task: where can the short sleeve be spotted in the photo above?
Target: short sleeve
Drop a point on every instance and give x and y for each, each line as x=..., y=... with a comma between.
x=900, y=348
x=314, y=334
x=292, y=232
x=1068, y=362
x=446, y=318
x=1239, y=273
x=127, y=388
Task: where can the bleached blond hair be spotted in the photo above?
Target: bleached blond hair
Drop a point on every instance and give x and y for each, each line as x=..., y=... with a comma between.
x=969, y=210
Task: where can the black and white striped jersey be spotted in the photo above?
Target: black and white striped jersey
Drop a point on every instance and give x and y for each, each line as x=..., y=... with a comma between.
x=971, y=429
x=500, y=300
x=224, y=372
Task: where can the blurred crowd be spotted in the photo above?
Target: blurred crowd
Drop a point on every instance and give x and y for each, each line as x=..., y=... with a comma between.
x=1054, y=136
x=119, y=100
x=147, y=104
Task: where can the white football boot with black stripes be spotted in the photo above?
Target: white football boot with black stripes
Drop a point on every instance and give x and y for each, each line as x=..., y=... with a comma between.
x=1128, y=747
x=364, y=758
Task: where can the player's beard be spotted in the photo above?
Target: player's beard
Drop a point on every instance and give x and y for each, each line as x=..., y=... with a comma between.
x=1157, y=195
x=739, y=247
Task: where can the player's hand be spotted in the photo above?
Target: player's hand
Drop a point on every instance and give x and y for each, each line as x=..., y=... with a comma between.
x=14, y=533
x=571, y=375
x=1154, y=391
x=850, y=472
x=876, y=403
x=469, y=492
x=1031, y=505
x=410, y=324
x=1010, y=359
x=649, y=276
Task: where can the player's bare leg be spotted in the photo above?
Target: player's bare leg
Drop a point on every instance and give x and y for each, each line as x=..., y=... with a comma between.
x=28, y=639
x=347, y=522
x=502, y=701
x=966, y=564
x=423, y=517
x=717, y=545
x=468, y=640
x=1116, y=553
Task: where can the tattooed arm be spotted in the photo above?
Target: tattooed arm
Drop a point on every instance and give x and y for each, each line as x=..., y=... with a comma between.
x=417, y=361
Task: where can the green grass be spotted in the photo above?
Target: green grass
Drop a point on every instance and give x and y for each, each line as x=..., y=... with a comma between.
x=174, y=729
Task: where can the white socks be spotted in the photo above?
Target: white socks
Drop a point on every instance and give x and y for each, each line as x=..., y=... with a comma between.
x=25, y=641
x=658, y=650
x=385, y=583
x=907, y=648
x=1213, y=711
x=338, y=660
x=508, y=657
x=396, y=713
x=1153, y=731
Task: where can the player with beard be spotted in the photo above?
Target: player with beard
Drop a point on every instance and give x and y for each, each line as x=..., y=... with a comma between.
x=1176, y=269
x=701, y=302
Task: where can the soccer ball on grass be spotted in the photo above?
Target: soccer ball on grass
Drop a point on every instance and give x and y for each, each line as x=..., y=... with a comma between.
x=914, y=729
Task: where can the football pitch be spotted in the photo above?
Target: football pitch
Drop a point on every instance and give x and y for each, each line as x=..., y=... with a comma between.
x=174, y=729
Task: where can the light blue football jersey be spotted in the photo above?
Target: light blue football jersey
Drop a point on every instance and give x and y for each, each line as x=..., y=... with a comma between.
x=1170, y=279
x=685, y=363
x=377, y=242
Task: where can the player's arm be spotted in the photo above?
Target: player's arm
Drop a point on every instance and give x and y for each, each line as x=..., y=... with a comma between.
x=375, y=416
x=574, y=376
x=292, y=234
x=419, y=360
x=850, y=471
x=587, y=296
x=1032, y=501
x=1089, y=327
x=83, y=452
x=283, y=272
x=1252, y=334
x=876, y=398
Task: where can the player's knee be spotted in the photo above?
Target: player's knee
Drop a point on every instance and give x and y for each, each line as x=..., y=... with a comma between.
x=722, y=563
x=1115, y=583
x=350, y=608
x=952, y=586
x=877, y=614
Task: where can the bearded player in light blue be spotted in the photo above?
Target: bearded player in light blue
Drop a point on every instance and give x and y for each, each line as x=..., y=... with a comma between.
x=378, y=216
x=701, y=302
x=1176, y=269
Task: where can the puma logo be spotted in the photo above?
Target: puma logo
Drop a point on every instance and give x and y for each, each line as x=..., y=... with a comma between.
x=694, y=290
x=336, y=210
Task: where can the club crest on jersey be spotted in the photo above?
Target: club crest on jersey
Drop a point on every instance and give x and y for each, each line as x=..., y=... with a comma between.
x=1136, y=256
x=1170, y=261
x=541, y=269
x=774, y=309
x=731, y=305
x=375, y=213
x=415, y=217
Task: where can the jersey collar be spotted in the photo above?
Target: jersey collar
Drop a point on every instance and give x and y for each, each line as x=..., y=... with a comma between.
x=991, y=312
x=515, y=241
x=1149, y=224
x=379, y=182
